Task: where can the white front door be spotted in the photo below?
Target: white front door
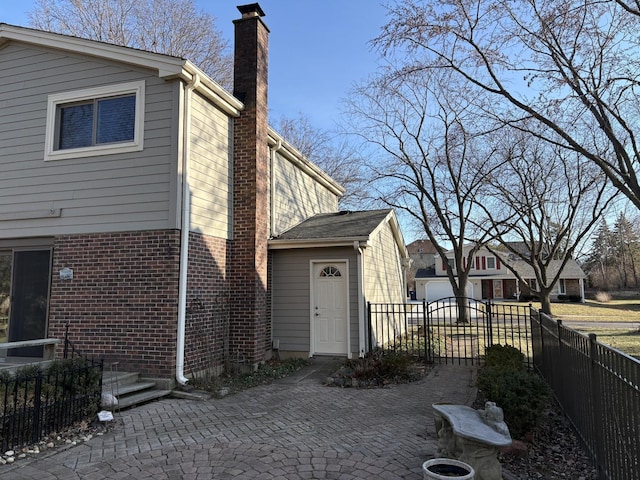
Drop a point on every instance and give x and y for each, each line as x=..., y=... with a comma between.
x=329, y=309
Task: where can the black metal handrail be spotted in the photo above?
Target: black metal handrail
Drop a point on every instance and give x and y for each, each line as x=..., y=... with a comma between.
x=69, y=346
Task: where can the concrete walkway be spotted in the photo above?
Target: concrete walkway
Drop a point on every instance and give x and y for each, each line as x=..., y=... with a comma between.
x=295, y=428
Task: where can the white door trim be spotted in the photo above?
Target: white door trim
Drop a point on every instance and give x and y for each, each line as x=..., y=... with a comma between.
x=343, y=263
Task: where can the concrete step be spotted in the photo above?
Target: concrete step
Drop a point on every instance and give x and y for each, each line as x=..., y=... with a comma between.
x=130, y=390
x=128, y=401
x=120, y=390
x=118, y=378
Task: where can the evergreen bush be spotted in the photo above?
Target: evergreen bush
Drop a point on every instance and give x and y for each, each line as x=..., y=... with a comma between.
x=522, y=395
x=504, y=357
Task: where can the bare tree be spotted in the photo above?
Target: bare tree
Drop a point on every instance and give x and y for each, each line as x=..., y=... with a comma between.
x=331, y=152
x=544, y=203
x=172, y=27
x=427, y=165
x=571, y=66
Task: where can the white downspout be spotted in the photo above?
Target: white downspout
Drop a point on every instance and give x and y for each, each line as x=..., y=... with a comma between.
x=184, y=232
x=361, y=300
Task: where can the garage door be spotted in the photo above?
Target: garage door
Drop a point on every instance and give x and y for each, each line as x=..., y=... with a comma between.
x=437, y=289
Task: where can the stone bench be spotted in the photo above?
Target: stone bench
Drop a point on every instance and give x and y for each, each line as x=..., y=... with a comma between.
x=472, y=436
x=49, y=345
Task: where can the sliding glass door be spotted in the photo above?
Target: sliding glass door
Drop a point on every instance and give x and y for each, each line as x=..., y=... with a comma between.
x=5, y=293
x=30, y=277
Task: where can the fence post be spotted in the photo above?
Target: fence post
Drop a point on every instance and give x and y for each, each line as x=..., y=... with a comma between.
x=370, y=329
x=541, y=329
x=558, y=383
x=489, y=323
x=427, y=333
x=37, y=407
x=596, y=407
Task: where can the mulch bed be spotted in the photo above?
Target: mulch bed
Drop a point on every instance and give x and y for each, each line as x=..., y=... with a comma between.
x=552, y=452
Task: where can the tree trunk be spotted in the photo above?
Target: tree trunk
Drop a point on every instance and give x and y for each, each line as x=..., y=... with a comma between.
x=462, y=302
x=545, y=301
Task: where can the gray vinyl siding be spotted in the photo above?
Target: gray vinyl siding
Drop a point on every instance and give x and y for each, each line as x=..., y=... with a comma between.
x=296, y=195
x=119, y=192
x=291, y=289
x=210, y=174
x=384, y=279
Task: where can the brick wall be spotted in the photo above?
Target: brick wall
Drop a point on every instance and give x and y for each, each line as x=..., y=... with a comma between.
x=121, y=303
x=207, y=315
x=249, y=323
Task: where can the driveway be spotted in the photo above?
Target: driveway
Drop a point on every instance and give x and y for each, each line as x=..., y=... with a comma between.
x=295, y=428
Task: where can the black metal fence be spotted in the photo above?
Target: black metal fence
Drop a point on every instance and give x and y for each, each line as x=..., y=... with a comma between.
x=35, y=403
x=450, y=330
x=598, y=388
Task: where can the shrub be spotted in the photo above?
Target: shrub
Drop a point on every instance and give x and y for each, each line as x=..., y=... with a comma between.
x=603, y=297
x=379, y=367
x=522, y=396
x=395, y=365
x=504, y=357
x=528, y=297
x=569, y=298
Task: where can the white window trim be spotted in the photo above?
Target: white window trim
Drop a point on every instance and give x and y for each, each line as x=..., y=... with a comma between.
x=98, y=92
x=562, y=286
x=452, y=263
x=495, y=263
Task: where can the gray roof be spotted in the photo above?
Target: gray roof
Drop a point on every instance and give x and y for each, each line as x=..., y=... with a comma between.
x=345, y=224
x=571, y=269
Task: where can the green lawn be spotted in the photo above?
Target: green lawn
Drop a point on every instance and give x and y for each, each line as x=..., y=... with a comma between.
x=592, y=311
x=625, y=340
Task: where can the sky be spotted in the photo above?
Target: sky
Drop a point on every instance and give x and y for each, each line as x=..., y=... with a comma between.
x=318, y=49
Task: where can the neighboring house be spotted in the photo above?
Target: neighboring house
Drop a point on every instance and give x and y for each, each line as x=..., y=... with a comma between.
x=489, y=278
x=137, y=203
x=423, y=258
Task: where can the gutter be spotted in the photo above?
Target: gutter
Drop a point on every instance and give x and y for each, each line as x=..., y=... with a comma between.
x=184, y=232
x=280, y=244
x=358, y=247
x=289, y=152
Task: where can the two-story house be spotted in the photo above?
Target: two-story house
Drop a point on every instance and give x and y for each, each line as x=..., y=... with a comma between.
x=160, y=219
x=490, y=279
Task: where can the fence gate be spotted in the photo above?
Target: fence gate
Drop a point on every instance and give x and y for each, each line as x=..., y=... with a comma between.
x=449, y=330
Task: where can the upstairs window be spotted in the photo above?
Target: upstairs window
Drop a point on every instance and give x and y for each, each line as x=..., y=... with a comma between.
x=491, y=263
x=95, y=121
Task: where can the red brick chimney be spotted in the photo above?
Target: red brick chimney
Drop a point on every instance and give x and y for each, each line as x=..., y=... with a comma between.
x=249, y=330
